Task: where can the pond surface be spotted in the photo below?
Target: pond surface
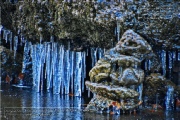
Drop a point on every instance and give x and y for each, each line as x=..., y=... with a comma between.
x=27, y=104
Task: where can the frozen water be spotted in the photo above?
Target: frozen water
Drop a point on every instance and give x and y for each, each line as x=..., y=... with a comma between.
x=72, y=70
x=118, y=30
x=100, y=53
x=67, y=69
x=60, y=68
x=163, y=60
x=169, y=101
x=140, y=89
x=77, y=77
x=178, y=55
x=170, y=59
x=83, y=69
x=93, y=55
x=15, y=45
x=174, y=56
x=149, y=65
x=26, y=57
x=10, y=40
x=48, y=65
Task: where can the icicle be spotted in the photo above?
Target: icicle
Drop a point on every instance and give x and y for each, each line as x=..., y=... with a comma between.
x=93, y=56
x=149, y=65
x=41, y=38
x=67, y=70
x=84, y=64
x=115, y=31
x=145, y=65
x=1, y=28
x=170, y=59
x=140, y=89
x=170, y=63
x=42, y=76
x=100, y=53
x=61, y=73
x=43, y=57
x=169, y=101
x=15, y=45
x=10, y=40
x=89, y=92
x=21, y=40
x=48, y=66
x=5, y=35
x=54, y=67
x=83, y=73
x=78, y=70
x=163, y=58
x=25, y=56
x=33, y=54
x=72, y=70
x=174, y=56
x=178, y=55
x=58, y=80
x=35, y=60
x=52, y=39
x=40, y=66
x=118, y=30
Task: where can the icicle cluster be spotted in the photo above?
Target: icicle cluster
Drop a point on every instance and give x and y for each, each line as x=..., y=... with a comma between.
x=9, y=38
x=96, y=53
x=64, y=72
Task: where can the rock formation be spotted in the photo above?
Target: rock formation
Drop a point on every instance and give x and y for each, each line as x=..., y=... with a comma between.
x=94, y=22
x=117, y=78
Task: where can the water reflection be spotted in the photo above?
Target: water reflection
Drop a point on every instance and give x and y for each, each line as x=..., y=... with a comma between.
x=26, y=104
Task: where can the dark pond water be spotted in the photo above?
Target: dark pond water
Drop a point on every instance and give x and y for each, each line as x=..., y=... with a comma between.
x=26, y=104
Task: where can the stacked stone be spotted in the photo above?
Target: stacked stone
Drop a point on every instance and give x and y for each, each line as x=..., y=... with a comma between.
x=116, y=77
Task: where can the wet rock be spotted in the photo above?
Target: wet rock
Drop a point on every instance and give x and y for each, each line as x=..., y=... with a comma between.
x=102, y=104
x=100, y=71
x=112, y=92
x=133, y=44
x=94, y=22
x=155, y=84
x=9, y=66
x=118, y=74
x=129, y=76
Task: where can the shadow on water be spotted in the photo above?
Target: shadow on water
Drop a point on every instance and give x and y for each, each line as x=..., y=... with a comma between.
x=26, y=104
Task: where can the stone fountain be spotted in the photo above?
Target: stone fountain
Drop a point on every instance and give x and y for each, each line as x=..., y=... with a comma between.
x=117, y=79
